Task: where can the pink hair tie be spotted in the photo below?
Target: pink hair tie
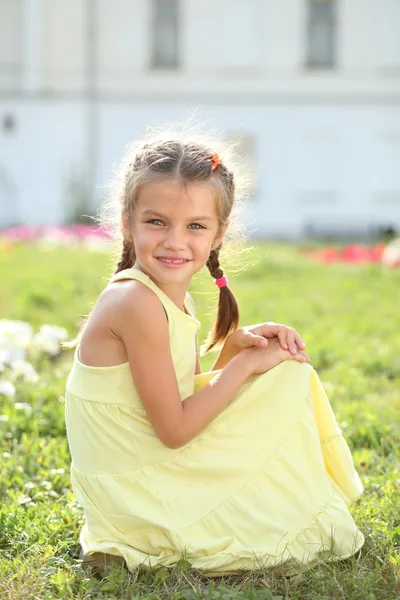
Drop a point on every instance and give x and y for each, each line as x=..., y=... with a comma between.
x=221, y=282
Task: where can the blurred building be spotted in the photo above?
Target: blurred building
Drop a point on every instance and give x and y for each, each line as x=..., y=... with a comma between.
x=311, y=88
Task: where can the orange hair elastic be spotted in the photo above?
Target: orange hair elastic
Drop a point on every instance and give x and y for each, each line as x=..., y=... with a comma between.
x=215, y=161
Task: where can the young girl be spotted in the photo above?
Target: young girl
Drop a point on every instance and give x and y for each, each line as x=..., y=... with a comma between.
x=240, y=468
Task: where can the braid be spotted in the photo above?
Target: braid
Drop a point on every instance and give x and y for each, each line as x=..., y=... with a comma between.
x=227, y=319
x=213, y=264
x=128, y=256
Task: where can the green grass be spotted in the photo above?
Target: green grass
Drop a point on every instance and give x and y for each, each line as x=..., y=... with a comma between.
x=350, y=320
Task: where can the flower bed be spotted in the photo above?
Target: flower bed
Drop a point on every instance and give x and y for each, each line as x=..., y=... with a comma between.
x=19, y=345
x=92, y=237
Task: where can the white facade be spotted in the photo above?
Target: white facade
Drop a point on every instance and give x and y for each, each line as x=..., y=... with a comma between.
x=78, y=81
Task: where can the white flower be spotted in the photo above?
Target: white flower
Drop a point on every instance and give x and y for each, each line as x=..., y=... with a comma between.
x=52, y=331
x=46, y=345
x=24, y=369
x=16, y=332
x=9, y=351
x=15, y=338
x=7, y=389
x=49, y=338
x=23, y=406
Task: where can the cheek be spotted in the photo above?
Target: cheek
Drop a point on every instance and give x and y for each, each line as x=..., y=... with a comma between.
x=203, y=244
x=148, y=238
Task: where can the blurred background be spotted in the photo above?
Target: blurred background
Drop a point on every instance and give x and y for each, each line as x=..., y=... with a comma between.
x=309, y=88
x=310, y=91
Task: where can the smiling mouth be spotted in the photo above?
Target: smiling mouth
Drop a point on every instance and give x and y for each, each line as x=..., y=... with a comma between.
x=173, y=260
x=172, y=263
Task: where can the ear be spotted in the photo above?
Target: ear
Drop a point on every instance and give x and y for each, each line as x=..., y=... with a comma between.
x=219, y=238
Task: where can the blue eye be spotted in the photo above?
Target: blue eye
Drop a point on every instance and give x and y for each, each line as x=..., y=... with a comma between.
x=158, y=222
x=197, y=226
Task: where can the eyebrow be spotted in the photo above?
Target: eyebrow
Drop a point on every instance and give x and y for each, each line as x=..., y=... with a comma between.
x=154, y=212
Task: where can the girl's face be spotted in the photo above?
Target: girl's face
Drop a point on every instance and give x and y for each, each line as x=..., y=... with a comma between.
x=174, y=229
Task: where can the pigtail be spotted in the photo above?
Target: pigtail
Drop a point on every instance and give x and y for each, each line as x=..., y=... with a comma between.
x=227, y=319
x=128, y=257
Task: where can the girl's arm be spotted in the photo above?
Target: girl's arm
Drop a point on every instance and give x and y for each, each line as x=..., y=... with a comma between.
x=141, y=324
x=225, y=356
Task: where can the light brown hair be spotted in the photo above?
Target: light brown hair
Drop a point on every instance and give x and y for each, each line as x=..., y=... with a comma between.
x=184, y=157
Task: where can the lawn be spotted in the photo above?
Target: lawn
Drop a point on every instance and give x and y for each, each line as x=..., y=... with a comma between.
x=349, y=318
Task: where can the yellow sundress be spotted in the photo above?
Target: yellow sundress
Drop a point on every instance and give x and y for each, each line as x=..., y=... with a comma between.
x=269, y=480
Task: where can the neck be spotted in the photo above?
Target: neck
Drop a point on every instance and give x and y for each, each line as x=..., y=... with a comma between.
x=176, y=292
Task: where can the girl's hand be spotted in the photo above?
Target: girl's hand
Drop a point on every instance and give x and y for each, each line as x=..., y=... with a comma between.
x=257, y=336
x=264, y=359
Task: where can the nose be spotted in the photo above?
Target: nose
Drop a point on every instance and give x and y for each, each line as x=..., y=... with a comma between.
x=174, y=239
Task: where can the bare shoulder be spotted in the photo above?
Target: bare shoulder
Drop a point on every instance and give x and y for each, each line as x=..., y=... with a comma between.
x=123, y=314
x=130, y=301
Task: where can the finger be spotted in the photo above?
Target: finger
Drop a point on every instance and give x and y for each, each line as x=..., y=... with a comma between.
x=299, y=341
x=301, y=358
x=290, y=340
x=282, y=337
x=304, y=355
x=268, y=330
x=298, y=356
x=251, y=340
x=259, y=340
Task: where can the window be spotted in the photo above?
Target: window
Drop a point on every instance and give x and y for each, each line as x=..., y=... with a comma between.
x=165, y=42
x=321, y=34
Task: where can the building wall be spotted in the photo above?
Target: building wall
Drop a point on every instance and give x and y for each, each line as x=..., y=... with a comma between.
x=63, y=54
x=44, y=156
x=77, y=81
x=259, y=41
x=332, y=165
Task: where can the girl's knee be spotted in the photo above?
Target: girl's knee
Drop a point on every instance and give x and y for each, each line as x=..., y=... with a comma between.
x=294, y=376
x=290, y=376
x=293, y=368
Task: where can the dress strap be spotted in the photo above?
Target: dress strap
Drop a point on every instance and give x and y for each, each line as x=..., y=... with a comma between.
x=165, y=300
x=132, y=273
